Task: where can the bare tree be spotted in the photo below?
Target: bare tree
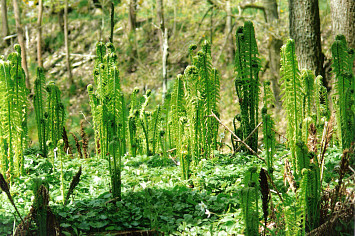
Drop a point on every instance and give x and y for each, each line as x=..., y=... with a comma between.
x=21, y=41
x=39, y=33
x=5, y=25
x=66, y=40
x=160, y=19
x=228, y=31
x=132, y=24
x=305, y=30
x=163, y=38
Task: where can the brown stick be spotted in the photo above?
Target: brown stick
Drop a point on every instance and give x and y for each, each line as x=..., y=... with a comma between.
x=39, y=33
x=238, y=139
x=274, y=186
x=252, y=132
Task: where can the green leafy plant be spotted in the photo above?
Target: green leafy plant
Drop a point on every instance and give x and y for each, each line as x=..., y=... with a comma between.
x=109, y=116
x=39, y=99
x=268, y=128
x=292, y=95
x=344, y=103
x=132, y=123
x=13, y=114
x=247, y=66
x=250, y=197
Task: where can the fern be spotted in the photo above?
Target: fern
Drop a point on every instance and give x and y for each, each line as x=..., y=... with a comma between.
x=13, y=113
x=247, y=81
x=250, y=196
x=343, y=58
x=109, y=112
x=269, y=140
x=321, y=102
x=156, y=123
x=39, y=106
x=144, y=117
x=292, y=95
x=55, y=115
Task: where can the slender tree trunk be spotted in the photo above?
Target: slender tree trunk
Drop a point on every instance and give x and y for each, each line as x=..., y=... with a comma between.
x=305, y=30
x=132, y=15
x=112, y=21
x=161, y=23
x=275, y=45
x=39, y=33
x=165, y=61
x=228, y=32
x=5, y=25
x=21, y=41
x=132, y=23
x=66, y=40
x=163, y=38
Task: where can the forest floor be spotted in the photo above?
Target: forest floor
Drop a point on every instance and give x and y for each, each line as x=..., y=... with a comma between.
x=154, y=197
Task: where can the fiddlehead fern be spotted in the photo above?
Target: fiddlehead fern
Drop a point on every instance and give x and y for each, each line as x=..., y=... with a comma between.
x=250, y=196
x=247, y=81
x=109, y=112
x=13, y=113
x=39, y=106
x=268, y=127
x=343, y=58
x=292, y=95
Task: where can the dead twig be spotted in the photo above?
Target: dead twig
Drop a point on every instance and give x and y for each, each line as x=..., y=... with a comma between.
x=237, y=138
x=252, y=132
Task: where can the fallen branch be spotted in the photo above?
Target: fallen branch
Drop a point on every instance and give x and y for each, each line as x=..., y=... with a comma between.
x=252, y=132
x=238, y=139
x=274, y=186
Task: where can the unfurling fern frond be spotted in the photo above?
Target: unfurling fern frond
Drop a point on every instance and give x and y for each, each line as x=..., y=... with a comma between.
x=321, y=102
x=247, y=66
x=269, y=140
x=155, y=126
x=109, y=112
x=343, y=58
x=13, y=113
x=268, y=99
x=292, y=95
x=250, y=196
x=39, y=105
x=178, y=109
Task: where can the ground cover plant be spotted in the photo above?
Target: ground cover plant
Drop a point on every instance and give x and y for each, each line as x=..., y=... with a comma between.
x=164, y=169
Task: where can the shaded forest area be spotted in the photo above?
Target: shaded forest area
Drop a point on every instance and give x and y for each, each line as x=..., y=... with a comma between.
x=193, y=117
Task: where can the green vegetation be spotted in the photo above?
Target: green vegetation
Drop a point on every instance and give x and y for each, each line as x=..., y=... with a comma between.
x=161, y=163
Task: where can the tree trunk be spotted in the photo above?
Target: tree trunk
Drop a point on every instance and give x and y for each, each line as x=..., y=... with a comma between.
x=39, y=33
x=164, y=46
x=132, y=23
x=228, y=32
x=5, y=26
x=343, y=19
x=66, y=41
x=165, y=61
x=160, y=19
x=21, y=41
x=275, y=45
x=112, y=21
x=132, y=15
x=305, y=30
